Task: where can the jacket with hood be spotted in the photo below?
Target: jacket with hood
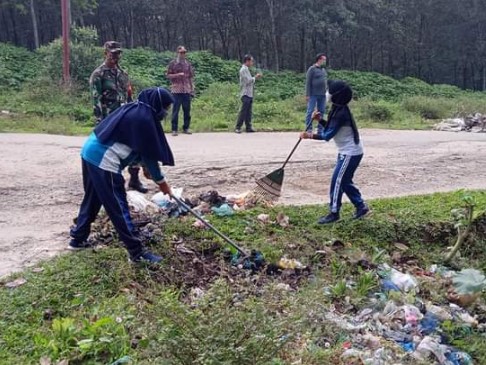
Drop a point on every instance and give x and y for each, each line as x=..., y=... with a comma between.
x=340, y=124
x=133, y=134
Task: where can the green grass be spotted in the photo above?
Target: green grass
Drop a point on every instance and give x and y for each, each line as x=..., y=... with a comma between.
x=93, y=307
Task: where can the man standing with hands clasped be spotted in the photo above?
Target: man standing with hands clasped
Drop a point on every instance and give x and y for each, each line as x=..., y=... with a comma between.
x=247, y=83
x=181, y=75
x=315, y=90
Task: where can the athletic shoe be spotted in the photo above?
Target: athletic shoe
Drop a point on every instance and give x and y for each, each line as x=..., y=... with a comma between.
x=251, y=130
x=187, y=131
x=238, y=130
x=77, y=246
x=361, y=212
x=330, y=218
x=146, y=257
x=174, y=133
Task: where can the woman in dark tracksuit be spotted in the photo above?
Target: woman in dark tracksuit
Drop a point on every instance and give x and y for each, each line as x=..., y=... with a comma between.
x=131, y=134
x=342, y=128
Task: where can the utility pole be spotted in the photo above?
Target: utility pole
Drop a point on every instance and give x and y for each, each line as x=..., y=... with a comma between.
x=65, y=42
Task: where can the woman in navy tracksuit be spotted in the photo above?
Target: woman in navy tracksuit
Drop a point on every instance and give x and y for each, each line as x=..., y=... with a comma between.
x=131, y=134
x=342, y=128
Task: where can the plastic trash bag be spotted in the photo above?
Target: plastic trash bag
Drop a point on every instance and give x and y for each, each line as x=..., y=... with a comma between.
x=223, y=210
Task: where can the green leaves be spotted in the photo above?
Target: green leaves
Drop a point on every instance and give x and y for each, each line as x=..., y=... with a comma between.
x=469, y=281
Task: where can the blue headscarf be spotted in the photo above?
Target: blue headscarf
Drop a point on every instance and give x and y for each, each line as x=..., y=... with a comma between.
x=138, y=126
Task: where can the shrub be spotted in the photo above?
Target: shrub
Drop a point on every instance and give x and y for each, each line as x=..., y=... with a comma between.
x=84, y=56
x=377, y=111
x=17, y=65
x=429, y=108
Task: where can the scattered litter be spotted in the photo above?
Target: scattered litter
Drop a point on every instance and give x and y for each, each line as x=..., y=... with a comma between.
x=196, y=294
x=283, y=286
x=475, y=123
x=16, y=283
x=264, y=218
x=285, y=263
x=212, y=197
x=404, y=282
x=283, y=220
x=139, y=203
x=430, y=345
x=401, y=246
x=199, y=225
x=223, y=210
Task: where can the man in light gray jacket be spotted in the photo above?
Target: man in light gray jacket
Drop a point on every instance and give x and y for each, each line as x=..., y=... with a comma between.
x=247, y=82
x=315, y=89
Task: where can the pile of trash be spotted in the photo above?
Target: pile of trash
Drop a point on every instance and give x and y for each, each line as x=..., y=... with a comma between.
x=402, y=328
x=475, y=123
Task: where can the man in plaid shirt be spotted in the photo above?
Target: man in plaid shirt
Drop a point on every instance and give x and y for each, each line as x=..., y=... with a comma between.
x=181, y=75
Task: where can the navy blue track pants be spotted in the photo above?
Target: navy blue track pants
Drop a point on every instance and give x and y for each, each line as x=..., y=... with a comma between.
x=342, y=182
x=108, y=189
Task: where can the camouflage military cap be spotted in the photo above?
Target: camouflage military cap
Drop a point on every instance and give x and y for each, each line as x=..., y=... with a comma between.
x=112, y=46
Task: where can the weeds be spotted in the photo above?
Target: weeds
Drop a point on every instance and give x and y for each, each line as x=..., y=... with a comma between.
x=93, y=307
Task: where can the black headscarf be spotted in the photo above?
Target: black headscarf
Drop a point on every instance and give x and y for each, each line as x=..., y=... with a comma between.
x=138, y=126
x=341, y=95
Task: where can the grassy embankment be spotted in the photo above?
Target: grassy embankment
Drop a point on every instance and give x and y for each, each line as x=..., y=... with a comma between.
x=30, y=91
x=92, y=307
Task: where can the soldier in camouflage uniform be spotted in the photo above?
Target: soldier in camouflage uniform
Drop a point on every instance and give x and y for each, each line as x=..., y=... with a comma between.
x=110, y=89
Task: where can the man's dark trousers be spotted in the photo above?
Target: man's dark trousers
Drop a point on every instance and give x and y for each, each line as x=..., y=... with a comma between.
x=183, y=100
x=108, y=189
x=245, y=113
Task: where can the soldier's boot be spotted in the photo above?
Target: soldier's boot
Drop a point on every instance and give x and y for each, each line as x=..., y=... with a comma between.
x=135, y=182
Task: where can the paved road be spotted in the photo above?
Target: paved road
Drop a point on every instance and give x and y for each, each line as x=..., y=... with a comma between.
x=40, y=179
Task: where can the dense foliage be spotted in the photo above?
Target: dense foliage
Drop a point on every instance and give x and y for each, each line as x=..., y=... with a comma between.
x=34, y=78
x=439, y=41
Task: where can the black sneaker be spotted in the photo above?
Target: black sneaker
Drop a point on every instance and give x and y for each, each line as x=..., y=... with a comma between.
x=251, y=130
x=77, y=246
x=186, y=131
x=174, y=133
x=361, y=212
x=146, y=257
x=238, y=130
x=330, y=218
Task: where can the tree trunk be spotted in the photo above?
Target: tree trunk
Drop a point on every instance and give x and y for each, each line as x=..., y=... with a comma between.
x=34, y=24
x=271, y=9
x=131, y=29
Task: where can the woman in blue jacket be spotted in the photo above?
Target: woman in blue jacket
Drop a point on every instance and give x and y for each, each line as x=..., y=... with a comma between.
x=130, y=135
x=341, y=127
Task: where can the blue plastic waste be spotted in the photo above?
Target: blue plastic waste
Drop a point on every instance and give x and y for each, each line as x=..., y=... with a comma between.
x=408, y=346
x=459, y=358
x=388, y=285
x=429, y=324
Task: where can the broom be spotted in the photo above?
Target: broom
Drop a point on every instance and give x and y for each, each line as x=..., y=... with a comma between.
x=269, y=187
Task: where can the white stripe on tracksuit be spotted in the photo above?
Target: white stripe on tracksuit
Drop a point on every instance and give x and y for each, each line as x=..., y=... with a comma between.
x=337, y=186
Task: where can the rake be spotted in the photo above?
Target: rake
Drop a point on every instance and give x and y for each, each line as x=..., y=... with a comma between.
x=269, y=187
x=253, y=260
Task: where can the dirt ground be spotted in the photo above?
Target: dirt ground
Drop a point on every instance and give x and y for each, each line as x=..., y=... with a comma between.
x=40, y=178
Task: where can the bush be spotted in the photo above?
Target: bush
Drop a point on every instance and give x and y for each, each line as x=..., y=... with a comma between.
x=17, y=65
x=376, y=111
x=429, y=108
x=84, y=56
